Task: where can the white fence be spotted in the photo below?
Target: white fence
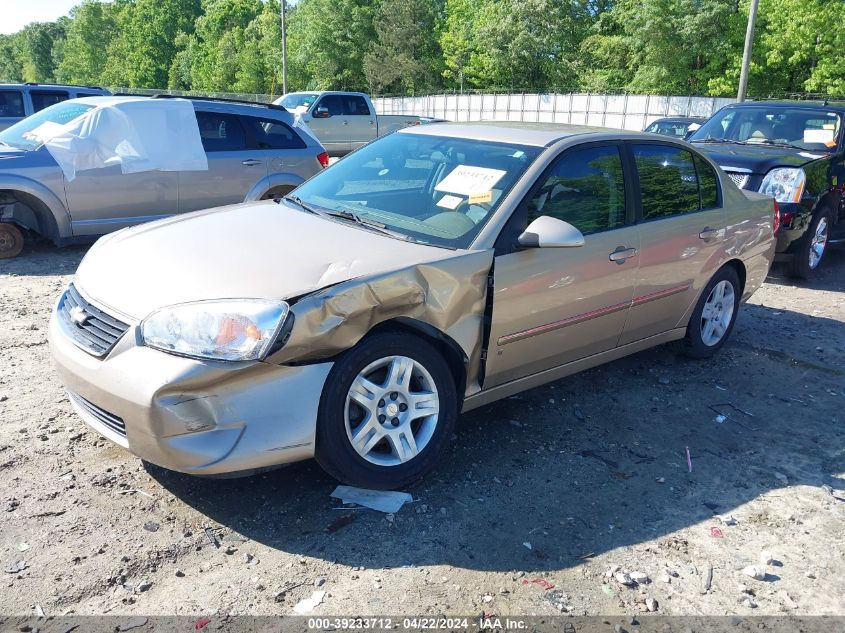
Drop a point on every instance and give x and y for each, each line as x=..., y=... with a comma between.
x=630, y=112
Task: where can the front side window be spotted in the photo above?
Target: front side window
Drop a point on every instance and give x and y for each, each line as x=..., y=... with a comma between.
x=437, y=190
x=332, y=103
x=586, y=188
x=11, y=103
x=269, y=134
x=42, y=99
x=220, y=132
x=25, y=134
x=668, y=180
x=355, y=106
x=298, y=100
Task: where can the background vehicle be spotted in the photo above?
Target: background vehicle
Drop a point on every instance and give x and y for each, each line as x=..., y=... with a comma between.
x=254, y=152
x=793, y=152
x=18, y=101
x=676, y=127
x=389, y=293
x=343, y=121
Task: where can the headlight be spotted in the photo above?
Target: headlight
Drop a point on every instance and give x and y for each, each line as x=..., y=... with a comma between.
x=784, y=184
x=230, y=329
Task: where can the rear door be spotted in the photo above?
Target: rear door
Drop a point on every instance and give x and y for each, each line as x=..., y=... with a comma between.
x=279, y=145
x=233, y=166
x=361, y=121
x=552, y=306
x=12, y=107
x=331, y=131
x=682, y=228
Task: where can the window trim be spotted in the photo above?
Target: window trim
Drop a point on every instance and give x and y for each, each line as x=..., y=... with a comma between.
x=504, y=246
x=353, y=96
x=629, y=146
x=22, y=94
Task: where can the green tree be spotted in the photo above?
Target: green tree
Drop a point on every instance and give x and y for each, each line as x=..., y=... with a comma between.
x=406, y=55
x=89, y=34
x=10, y=69
x=34, y=50
x=456, y=39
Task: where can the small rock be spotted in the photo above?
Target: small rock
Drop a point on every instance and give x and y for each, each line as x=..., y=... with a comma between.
x=651, y=603
x=766, y=558
x=639, y=577
x=755, y=572
x=319, y=582
x=747, y=601
x=248, y=558
x=661, y=480
x=727, y=519
x=143, y=586
x=487, y=598
x=151, y=526
x=781, y=477
x=230, y=549
x=179, y=573
x=624, y=579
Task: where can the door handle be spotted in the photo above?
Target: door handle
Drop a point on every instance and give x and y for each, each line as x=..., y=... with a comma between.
x=622, y=254
x=250, y=162
x=708, y=234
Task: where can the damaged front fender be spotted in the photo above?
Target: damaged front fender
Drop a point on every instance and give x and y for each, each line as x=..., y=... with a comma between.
x=449, y=295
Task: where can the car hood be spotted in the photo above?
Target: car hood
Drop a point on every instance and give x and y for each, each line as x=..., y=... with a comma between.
x=760, y=159
x=254, y=250
x=14, y=159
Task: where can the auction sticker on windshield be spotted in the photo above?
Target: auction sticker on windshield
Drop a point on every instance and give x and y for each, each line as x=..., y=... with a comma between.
x=468, y=180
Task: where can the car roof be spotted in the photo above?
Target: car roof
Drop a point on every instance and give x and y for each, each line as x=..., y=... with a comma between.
x=800, y=105
x=58, y=86
x=235, y=107
x=535, y=134
x=680, y=118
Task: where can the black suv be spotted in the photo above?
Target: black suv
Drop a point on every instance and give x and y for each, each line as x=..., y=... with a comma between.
x=794, y=152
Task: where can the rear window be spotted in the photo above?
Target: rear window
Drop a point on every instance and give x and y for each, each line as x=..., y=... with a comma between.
x=11, y=103
x=269, y=134
x=44, y=99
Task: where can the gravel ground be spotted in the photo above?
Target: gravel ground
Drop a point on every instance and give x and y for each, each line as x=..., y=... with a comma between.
x=543, y=503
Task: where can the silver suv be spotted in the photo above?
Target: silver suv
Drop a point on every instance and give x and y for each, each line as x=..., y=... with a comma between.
x=254, y=152
x=18, y=101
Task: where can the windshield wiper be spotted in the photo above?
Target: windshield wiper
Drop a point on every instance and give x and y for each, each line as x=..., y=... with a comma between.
x=302, y=205
x=367, y=223
x=783, y=144
x=718, y=140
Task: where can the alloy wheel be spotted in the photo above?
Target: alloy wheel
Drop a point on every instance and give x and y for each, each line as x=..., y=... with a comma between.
x=717, y=313
x=818, y=243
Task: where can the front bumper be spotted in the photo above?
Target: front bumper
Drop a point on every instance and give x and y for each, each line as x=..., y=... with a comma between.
x=188, y=415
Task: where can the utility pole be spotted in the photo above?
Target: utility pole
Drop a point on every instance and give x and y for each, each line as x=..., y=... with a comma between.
x=746, y=53
x=284, y=49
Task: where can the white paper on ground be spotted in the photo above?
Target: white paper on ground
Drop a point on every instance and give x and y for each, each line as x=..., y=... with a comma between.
x=137, y=134
x=382, y=500
x=467, y=180
x=307, y=605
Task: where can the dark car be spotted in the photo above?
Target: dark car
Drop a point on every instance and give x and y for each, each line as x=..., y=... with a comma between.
x=794, y=152
x=18, y=101
x=676, y=126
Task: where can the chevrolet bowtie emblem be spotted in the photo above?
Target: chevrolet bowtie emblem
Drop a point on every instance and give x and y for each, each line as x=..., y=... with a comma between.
x=78, y=316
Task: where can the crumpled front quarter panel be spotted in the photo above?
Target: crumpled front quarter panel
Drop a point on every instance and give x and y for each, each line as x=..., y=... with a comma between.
x=449, y=294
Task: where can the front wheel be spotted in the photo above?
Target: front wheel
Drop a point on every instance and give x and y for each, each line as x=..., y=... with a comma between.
x=714, y=316
x=810, y=248
x=11, y=241
x=387, y=412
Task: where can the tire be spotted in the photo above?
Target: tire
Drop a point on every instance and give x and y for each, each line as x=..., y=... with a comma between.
x=11, y=241
x=276, y=192
x=386, y=459
x=713, y=308
x=811, y=247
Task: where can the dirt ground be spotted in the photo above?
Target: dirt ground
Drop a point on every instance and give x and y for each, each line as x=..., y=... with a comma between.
x=557, y=486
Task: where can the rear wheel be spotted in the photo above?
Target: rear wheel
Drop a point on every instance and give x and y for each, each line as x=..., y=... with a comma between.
x=11, y=241
x=714, y=316
x=811, y=247
x=387, y=412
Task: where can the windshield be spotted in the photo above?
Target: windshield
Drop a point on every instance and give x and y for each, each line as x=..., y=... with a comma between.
x=293, y=101
x=678, y=129
x=20, y=134
x=814, y=130
x=432, y=189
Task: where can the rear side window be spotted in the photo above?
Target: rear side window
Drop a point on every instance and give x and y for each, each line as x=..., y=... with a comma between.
x=220, y=132
x=353, y=105
x=708, y=183
x=668, y=180
x=11, y=103
x=333, y=103
x=269, y=134
x=43, y=99
x=586, y=188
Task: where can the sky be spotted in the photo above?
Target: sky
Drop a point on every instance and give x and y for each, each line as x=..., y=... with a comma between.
x=15, y=14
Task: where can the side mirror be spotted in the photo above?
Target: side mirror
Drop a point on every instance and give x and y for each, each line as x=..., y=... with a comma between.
x=322, y=112
x=549, y=232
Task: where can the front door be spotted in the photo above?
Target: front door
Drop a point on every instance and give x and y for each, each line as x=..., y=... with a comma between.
x=332, y=131
x=682, y=230
x=233, y=167
x=361, y=122
x=552, y=306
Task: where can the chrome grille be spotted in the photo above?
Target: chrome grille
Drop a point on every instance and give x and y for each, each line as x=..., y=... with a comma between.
x=740, y=179
x=89, y=327
x=101, y=415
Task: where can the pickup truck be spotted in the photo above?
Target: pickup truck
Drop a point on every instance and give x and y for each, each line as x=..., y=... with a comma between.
x=343, y=121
